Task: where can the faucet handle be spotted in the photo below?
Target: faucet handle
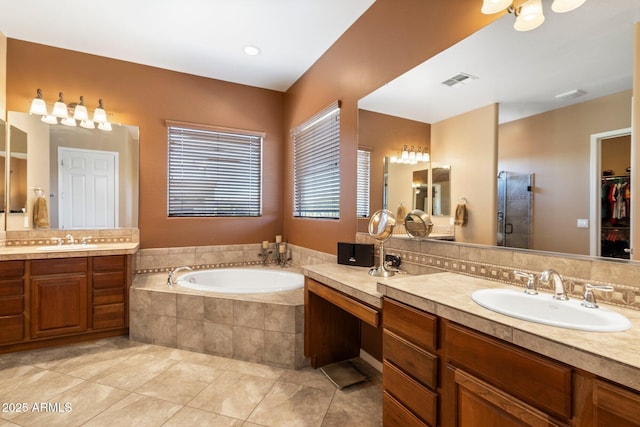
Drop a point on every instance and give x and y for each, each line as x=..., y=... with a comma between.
x=83, y=240
x=530, y=287
x=589, y=300
x=58, y=240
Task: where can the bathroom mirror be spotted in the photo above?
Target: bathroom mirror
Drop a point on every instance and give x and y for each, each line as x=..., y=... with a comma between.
x=440, y=191
x=3, y=160
x=88, y=176
x=585, y=57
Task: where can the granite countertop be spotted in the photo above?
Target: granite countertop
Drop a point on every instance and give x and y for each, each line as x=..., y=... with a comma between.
x=611, y=355
x=9, y=253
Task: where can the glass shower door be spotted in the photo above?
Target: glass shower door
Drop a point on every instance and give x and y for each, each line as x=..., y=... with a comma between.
x=515, y=206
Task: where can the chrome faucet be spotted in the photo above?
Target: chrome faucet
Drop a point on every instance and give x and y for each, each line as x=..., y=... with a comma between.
x=559, y=292
x=72, y=241
x=171, y=282
x=530, y=287
x=589, y=300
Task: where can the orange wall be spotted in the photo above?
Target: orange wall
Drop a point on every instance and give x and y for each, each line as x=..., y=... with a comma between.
x=147, y=96
x=555, y=147
x=385, y=135
x=389, y=39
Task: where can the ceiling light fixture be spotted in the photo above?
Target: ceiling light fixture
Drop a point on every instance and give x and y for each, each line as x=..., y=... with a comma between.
x=69, y=115
x=251, y=50
x=529, y=13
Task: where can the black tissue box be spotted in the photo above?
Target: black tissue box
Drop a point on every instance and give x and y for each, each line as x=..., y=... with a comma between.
x=359, y=254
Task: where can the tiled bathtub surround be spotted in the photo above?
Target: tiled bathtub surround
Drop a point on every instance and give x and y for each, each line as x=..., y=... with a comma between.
x=261, y=328
x=496, y=263
x=203, y=257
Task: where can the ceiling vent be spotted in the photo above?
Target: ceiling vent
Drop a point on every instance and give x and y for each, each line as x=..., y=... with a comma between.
x=572, y=94
x=459, y=80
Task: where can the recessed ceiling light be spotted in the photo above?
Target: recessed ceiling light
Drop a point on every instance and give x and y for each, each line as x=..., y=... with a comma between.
x=251, y=50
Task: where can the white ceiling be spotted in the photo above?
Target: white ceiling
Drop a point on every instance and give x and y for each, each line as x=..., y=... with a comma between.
x=588, y=49
x=200, y=37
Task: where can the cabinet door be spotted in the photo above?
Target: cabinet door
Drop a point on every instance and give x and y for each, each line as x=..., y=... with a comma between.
x=615, y=406
x=479, y=404
x=58, y=305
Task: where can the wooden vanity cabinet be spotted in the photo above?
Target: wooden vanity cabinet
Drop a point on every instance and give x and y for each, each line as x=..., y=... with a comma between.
x=494, y=383
x=409, y=366
x=439, y=373
x=61, y=300
x=12, y=301
x=109, y=288
x=58, y=297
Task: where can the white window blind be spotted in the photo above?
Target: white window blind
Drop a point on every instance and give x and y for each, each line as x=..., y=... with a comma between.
x=213, y=172
x=363, y=186
x=316, y=165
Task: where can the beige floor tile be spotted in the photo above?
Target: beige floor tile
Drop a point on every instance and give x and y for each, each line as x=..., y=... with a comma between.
x=35, y=387
x=76, y=406
x=189, y=417
x=180, y=383
x=94, y=363
x=136, y=410
x=233, y=394
x=308, y=377
x=255, y=369
x=360, y=405
x=133, y=372
x=4, y=423
x=289, y=404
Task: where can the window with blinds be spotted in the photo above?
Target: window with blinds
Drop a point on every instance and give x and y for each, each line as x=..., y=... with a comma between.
x=316, y=165
x=363, y=186
x=213, y=172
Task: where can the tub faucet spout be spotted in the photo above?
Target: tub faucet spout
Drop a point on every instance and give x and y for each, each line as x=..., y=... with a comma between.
x=171, y=282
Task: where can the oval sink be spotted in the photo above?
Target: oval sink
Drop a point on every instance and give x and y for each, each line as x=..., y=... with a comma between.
x=542, y=308
x=66, y=248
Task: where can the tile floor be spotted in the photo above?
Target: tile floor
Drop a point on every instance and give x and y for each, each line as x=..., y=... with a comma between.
x=118, y=382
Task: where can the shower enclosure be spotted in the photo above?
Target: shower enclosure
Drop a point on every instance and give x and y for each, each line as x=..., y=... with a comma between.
x=515, y=207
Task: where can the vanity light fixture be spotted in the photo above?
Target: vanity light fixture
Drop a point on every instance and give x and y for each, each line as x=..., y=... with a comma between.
x=529, y=13
x=79, y=113
x=411, y=156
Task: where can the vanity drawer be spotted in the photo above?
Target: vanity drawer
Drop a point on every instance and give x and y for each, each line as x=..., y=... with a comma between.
x=534, y=379
x=45, y=267
x=11, y=269
x=422, y=365
x=11, y=287
x=113, y=279
x=394, y=414
x=109, y=263
x=412, y=324
x=11, y=305
x=11, y=328
x=418, y=399
x=108, y=296
x=109, y=316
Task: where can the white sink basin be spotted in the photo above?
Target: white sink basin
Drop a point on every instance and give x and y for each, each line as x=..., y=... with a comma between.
x=67, y=248
x=542, y=308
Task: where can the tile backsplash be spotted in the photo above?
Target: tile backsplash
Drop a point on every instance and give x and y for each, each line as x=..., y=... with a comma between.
x=499, y=264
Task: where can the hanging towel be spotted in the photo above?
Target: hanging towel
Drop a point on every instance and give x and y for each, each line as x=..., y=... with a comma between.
x=40, y=213
x=461, y=214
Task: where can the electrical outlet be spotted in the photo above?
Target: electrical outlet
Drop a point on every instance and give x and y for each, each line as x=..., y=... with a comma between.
x=392, y=260
x=582, y=223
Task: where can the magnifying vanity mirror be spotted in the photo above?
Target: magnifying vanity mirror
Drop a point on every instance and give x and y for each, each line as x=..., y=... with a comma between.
x=542, y=103
x=88, y=177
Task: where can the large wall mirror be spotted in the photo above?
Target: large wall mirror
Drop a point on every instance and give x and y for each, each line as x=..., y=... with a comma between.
x=86, y=178
x=529, y=103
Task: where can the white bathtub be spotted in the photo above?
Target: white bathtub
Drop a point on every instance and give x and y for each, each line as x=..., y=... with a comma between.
x=242, y=280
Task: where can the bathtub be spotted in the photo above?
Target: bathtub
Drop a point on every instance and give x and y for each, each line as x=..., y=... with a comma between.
x=242, y=280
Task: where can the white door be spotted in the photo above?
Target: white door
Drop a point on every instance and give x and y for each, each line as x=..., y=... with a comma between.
x=88, y=186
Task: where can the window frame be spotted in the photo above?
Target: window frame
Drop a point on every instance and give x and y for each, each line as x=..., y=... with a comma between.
x=203, y=141
x=316, y=165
